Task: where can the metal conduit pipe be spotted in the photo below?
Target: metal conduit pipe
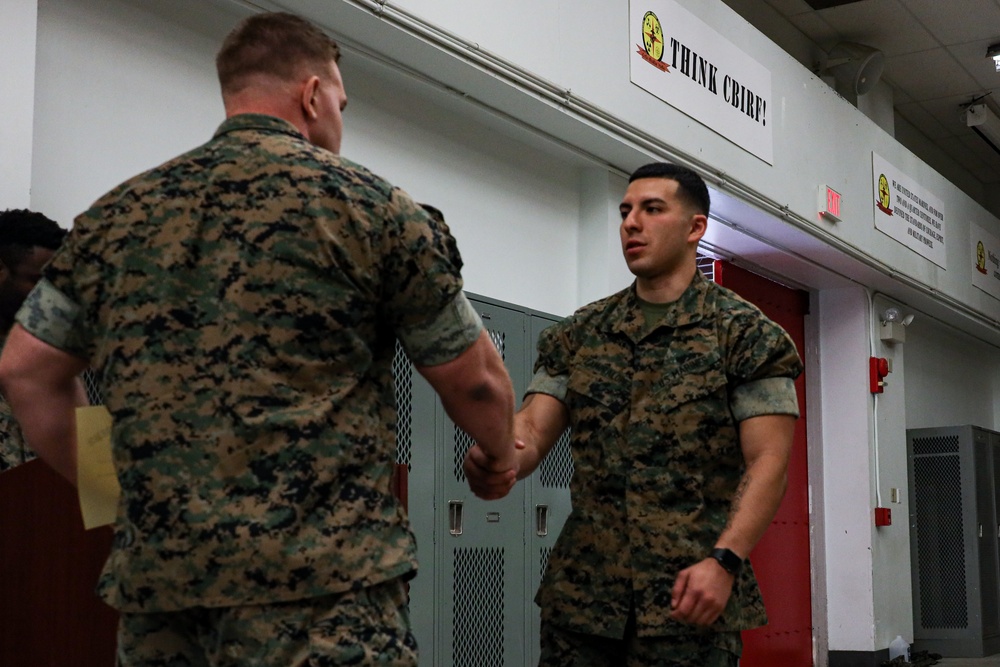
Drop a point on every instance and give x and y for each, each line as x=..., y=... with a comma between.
x=628, y=134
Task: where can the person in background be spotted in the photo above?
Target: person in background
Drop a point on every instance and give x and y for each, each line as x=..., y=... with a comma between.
x=681, y=401
x=27, y=241
x=241, y=305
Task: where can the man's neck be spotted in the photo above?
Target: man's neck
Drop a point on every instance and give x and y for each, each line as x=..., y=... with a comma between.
x=665, y=289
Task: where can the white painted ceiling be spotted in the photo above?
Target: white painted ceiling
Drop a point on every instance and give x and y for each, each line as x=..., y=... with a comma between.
x=935, y=63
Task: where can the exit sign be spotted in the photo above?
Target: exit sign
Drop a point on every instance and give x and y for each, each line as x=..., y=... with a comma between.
x=829, y=203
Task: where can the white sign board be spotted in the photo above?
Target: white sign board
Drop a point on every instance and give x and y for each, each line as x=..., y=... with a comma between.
x=908, y=212
x=985, y=256
x=681, y=60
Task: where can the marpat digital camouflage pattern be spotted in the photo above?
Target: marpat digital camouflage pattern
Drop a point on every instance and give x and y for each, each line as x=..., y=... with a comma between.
x=654, y=412
x=240, y=305
x=13, y=450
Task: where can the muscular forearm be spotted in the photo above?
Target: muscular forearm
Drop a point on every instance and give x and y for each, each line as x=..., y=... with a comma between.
x=477, y=394
x=47, y=416
x=41, y=384
x=766, y=442
x=537, y=425
x=754, y=505
x=485, y=414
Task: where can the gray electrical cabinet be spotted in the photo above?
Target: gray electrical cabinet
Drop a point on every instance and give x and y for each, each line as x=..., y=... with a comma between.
x=954, y=539
x=471, y=604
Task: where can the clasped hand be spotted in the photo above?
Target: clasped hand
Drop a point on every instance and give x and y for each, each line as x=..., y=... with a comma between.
x=485, y=479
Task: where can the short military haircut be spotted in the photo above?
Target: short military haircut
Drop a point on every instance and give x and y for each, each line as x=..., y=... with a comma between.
x=21, y=230
x=277, y=44
x=692, y=188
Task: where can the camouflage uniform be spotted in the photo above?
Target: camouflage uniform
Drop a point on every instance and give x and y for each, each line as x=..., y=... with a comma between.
x=13, y=450
x=655, y=412
x=240, y=305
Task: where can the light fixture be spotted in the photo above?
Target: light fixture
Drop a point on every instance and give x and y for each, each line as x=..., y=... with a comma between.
x=985, y=123
x=993, y=51
x=894, y=323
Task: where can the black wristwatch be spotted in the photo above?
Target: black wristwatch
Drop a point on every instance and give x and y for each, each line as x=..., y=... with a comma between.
x=729, y=561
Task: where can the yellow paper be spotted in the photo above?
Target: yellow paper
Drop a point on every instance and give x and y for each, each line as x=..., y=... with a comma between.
x=97, y=484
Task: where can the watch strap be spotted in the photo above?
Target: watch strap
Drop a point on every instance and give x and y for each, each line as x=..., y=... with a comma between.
x=728, y=559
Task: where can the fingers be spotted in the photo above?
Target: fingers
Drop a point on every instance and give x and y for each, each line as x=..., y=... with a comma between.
x=484, y=482
x=700, y=594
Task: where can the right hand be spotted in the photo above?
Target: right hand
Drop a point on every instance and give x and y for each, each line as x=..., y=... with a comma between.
x=485, y=480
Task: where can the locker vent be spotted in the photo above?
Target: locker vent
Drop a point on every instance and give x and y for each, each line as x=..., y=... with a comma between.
x=93, y=391
x=478, y=627
x=499, y=339
x=557, y=467
x=544, y=564
x=939, y=536
x=463, y=443
x=946, y=444
x=402, y=375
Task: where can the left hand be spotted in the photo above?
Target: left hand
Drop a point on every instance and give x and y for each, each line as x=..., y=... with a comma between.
x=700, y=593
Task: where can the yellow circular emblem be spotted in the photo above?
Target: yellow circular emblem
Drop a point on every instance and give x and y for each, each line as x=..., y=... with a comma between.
x=652, y=35
x=883, y=191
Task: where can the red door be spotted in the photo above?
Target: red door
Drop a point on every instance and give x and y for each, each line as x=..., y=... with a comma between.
x=781, y=558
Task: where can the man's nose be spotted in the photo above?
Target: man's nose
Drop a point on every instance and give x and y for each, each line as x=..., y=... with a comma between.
x=630, y=221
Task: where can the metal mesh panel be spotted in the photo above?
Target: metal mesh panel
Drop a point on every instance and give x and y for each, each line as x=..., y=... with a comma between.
x=544, y=561
x=463, y=443
x=557, y=467
x=402, y=374
x=93, y=391
x=937, y=481
x=477, y=629
x=499, y=339
x=945, y=444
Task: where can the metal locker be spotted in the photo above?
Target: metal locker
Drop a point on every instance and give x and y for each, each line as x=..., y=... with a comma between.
x=548, y=507
x=480, y=544
x=954, y=540
x=417, y=406
x=472, y=601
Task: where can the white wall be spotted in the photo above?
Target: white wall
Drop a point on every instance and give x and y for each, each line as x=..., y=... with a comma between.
x=513, y=208
x=122, y=88
x=17, y=81
x=951, y=377
x=848, y=468
x=118, y=91
x=892, y=590
x=581, y=50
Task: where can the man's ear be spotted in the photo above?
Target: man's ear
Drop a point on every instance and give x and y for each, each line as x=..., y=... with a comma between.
x=699, y=223
x=310, y=88
x=4, y=272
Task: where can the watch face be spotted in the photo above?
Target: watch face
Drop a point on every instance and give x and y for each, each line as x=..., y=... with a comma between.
x=652, y=35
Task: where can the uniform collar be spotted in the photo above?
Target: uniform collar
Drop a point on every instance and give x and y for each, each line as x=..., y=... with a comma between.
x=689, y=309
x=257, y=121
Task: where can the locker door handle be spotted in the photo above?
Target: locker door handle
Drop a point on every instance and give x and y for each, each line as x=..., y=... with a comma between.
x=980, y=530
x=541, y=520
x=455, y=517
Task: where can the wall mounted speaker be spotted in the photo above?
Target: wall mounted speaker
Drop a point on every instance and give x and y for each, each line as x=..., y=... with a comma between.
x=856, y=66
